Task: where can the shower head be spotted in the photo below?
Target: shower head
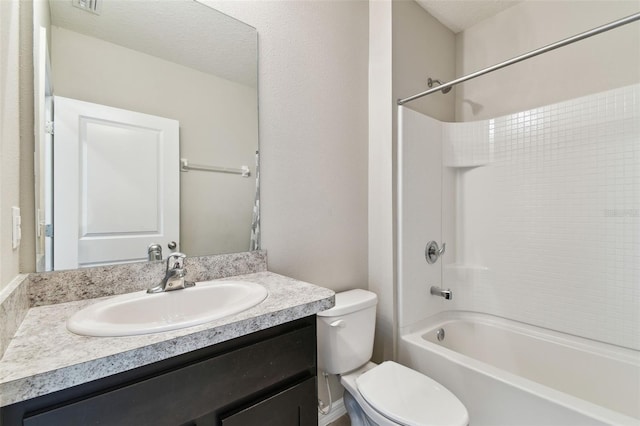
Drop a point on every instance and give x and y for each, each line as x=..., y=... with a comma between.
x=430, y=82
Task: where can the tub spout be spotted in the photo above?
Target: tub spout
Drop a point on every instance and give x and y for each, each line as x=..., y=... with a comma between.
x=437, y=291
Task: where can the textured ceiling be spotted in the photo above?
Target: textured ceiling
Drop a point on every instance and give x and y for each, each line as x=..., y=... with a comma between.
x=180, y=31
x=458, y=15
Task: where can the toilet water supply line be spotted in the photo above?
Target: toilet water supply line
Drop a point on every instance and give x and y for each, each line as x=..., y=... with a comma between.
x=320, y=403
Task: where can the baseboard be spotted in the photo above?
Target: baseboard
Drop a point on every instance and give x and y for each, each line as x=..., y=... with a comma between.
x=337, y=410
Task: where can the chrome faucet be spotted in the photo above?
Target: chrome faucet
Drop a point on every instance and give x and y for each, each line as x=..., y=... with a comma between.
x=437, y=291
x=174, y=275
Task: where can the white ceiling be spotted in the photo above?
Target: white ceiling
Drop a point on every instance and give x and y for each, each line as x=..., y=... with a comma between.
x=181, y=31
x=458, y=15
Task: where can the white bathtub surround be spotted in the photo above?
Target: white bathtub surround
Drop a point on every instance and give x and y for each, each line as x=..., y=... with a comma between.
x=539, y=210
x=548, y=231
x=507, y=373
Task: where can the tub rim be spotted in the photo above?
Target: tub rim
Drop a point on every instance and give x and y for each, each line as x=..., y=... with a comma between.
x=413, y=335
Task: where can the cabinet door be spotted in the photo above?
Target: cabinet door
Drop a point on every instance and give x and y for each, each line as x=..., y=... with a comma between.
x=295, y=406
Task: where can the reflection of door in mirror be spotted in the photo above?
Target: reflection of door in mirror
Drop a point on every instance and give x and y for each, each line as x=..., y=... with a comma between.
x=116, y=184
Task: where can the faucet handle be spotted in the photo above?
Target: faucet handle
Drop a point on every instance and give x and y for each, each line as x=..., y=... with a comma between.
x=432, y=252
x=175, y=260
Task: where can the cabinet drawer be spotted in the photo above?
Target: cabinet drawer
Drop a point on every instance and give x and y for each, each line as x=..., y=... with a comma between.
x=295, y=406
x=212, y=385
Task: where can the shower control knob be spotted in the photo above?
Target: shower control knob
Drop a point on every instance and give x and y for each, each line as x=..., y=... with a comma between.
x=172, y=245
x=432, y=252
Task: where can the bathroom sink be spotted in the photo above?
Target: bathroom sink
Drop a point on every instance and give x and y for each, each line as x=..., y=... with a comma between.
x=143, y=313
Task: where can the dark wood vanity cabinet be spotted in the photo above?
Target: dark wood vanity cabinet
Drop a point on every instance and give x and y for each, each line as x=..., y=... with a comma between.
x=264, y=378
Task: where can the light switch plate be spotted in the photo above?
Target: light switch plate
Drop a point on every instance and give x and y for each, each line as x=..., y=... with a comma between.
x=17, y=227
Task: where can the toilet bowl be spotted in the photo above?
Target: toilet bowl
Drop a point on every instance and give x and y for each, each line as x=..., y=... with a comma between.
x=387, y=394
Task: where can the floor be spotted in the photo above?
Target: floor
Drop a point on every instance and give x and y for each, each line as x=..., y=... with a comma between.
x=342, y=421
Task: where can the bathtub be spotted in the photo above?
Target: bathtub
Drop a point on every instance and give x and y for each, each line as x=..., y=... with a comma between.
x=509, y=373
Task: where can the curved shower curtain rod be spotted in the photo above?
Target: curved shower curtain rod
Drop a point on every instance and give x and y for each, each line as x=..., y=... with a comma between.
x=615, y=24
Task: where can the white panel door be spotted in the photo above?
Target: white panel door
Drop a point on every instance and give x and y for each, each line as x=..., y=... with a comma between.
x=116, y=184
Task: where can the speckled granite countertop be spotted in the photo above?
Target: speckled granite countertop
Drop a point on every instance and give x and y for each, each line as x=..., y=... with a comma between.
x=44, y=357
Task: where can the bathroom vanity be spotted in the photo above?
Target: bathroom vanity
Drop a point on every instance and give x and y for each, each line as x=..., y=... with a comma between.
x=257, y=367
x=267, y=377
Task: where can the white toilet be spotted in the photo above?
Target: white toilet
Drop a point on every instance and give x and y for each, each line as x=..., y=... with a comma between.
x=385, y=394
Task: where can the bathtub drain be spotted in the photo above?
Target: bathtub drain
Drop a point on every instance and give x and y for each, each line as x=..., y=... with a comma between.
x=440, y=334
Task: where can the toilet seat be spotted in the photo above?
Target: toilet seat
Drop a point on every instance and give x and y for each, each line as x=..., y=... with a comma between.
x=410, y=398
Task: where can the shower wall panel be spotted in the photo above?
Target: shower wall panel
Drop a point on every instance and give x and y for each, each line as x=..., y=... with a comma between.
x=419, y=213
x=545, y=227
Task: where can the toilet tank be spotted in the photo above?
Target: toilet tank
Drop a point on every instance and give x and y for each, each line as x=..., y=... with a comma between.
x=345, y=332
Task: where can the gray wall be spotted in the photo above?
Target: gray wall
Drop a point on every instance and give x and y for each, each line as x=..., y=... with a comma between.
x=313, y=102
x=313, y=136
x=599, y=63
x=9, y=135
x=422, y=48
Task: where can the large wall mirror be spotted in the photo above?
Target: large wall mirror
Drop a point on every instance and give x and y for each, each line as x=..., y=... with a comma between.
x=155, y=132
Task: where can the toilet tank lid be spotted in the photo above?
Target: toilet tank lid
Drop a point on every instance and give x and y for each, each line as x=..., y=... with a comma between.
x=350, y=301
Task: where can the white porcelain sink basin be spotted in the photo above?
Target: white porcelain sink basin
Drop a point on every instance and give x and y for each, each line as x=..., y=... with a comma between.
x=143, y=313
